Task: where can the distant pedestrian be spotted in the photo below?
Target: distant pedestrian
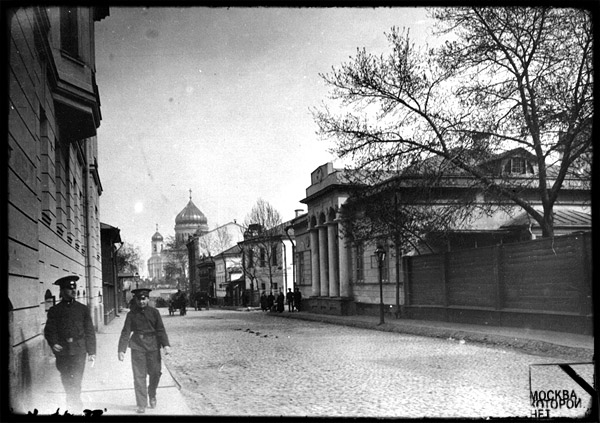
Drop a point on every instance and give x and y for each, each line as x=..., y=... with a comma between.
x=71, y=335
x=271, y=301
x=297, y=299
x=289, y=297
x=149, y=335
x=280, y=301
x=263, y=301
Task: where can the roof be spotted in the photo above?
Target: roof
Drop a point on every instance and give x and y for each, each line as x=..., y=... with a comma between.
x=157, y=237
x=236, y=249
x=113, y=232
x=190, y=214
x=563, y=218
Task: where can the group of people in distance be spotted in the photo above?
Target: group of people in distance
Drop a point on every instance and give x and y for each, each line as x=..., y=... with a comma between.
x=276, y=304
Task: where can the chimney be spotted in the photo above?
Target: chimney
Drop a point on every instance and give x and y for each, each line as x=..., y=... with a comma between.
x=298, y=212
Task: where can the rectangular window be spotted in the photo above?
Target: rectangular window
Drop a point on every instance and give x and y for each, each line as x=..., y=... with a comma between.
x=69, y=31
x=360, y=262
x=61, y=167
x=250, y=258
x=274, y=255
x=262, y=257
x=518, y=166
x=263, y=286
x=300, y=267
x=48, y=180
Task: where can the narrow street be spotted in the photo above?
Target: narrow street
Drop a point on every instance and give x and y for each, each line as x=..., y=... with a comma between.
x=255, y=364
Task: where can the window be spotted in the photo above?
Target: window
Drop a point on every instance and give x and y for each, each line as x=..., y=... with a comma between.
x=61, y=166
x=360, y=262
x=48, y=204
x=250, y=258
x=274, y=255
x=262, y=257
x=518, y=166
x=263, y=286
x=300, y=267
x=69, y=31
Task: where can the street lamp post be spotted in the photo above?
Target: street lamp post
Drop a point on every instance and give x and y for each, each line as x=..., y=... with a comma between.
x=137, y=279
x=380, y=252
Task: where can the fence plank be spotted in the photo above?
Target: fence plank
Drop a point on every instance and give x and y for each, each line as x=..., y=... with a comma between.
x=551, y=274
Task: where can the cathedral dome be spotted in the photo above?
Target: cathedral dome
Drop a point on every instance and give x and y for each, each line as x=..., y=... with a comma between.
x=190, y=215
x=157, y=237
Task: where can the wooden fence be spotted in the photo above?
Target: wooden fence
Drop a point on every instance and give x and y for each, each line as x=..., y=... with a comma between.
x=541, y=284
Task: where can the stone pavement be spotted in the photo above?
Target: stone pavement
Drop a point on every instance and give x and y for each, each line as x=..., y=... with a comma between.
x=557, y=344
x=108, y=386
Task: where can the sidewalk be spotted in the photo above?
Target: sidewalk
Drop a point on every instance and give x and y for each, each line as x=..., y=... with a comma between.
x=108, y=386
x=568, y=346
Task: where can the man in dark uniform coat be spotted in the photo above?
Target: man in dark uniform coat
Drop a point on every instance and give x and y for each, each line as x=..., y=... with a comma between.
x=289, y=297
x=145, y=334
x=71, y=335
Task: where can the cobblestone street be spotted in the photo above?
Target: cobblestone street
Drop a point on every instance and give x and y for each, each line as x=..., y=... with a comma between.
x=251, y=363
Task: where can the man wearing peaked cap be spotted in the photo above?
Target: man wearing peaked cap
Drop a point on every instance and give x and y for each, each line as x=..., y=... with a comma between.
x=71, y=335
x=141, y=292
x=144, y=333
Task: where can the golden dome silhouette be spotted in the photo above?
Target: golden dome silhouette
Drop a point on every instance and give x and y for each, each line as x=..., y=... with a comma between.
x=190, y=215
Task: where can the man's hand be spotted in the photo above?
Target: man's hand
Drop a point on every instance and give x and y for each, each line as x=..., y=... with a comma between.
x=121, y=356
x=57, y=348
x=92, y=358
x=167, y=350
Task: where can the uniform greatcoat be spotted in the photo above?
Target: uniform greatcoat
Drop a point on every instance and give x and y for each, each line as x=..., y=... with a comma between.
x=144, y=333
x=70, y=325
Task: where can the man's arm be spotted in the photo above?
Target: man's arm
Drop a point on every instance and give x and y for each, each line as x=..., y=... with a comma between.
x=51, y=330
x=161, y=333
x=125, y=332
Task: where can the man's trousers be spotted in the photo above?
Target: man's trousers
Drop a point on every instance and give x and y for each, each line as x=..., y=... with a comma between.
x=71, y=374
x=145, y=363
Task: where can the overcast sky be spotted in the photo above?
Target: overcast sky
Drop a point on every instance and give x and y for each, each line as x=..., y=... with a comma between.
x=218, y=101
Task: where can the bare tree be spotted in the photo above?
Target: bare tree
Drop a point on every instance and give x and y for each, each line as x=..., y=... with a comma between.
x=214, y=243
x=262, y=236
x=177, y=262
x=128, y=258
x=504, y=78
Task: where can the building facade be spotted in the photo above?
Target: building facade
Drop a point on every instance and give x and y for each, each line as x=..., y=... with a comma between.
x=229, y=277
x=203, y=247
x=112, y=291
x=268, y=259
x=340, y=276
x=53, y=178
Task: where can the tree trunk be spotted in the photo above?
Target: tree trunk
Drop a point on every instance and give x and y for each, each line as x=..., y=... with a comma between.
x=548, y=223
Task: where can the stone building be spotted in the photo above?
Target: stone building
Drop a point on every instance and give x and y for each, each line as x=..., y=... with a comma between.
x=112, y=297
x=338, y=276
x=53, y=178
x=189, y=222
x=203, y=246
x=268, y=259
